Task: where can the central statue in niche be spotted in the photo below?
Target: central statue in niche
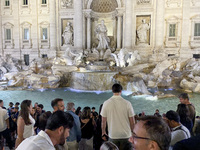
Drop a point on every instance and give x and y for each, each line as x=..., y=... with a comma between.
x=101, y=32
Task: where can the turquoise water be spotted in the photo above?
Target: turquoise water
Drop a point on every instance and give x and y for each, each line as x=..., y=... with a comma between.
x=84, y=98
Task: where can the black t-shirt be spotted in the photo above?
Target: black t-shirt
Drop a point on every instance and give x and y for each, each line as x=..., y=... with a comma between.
x=87, y=131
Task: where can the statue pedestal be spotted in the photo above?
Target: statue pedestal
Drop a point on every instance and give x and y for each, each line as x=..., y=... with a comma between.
x=64, y=47
x=94, y=81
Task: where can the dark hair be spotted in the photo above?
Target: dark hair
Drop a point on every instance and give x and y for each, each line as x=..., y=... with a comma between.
x=109, y=146
x=116, y=88
x=100, y=108
x=184, y=96
x=128, y=146
x=43, y=119
x=78, y=110
x=1, y=101
x=55, y=102
x=17, y=103
x=183, y=112
x=24, y=112
x=41, y=106
x=172, y=115
x=157, y=130
x=93, y=107
x=58, y=119
x=11, y=103
x=86, y=113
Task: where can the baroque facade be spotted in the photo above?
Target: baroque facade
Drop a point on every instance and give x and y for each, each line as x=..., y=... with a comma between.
x=32, y=29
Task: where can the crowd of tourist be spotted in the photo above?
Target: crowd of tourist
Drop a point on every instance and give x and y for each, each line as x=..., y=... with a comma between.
x=114, y=127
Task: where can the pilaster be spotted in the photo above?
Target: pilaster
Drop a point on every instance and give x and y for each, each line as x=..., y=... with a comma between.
x=185, y=24
x=78, y=27
x=1, y=42
x=160, y=19
x=16, y=29
x=119, y=28
x=128, y=24
x=53, y=25
x=185, y=51
x=88, y=16
x=34, y=36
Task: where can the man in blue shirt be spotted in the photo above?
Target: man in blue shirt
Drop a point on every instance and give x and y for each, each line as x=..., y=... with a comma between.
x=75, y=132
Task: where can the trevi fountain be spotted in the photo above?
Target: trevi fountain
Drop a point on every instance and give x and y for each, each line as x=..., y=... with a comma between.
x=151, y=47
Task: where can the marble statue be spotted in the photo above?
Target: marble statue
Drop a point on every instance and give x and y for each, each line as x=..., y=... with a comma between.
x=133, y=58
x=120, y=58
x=101, y=32
x=68, y=34
x=142, y=32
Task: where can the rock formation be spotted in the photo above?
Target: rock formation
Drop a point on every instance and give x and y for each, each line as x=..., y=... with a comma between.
x=85, y=71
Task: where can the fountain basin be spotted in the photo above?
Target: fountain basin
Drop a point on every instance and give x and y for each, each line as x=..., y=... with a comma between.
x=94, y=81
x=98, y=66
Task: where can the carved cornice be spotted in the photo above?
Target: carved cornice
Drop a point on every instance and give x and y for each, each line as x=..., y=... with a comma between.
x=66, y=13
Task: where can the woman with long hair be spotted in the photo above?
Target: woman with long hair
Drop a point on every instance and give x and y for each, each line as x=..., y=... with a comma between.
x=25, y=122
x=87, y=130
x=78, y=111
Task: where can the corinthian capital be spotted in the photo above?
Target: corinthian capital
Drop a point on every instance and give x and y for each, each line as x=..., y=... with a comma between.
x=120, y=12
x=87, y=13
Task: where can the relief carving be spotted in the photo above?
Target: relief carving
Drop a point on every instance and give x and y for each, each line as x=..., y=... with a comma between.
x=67, y=3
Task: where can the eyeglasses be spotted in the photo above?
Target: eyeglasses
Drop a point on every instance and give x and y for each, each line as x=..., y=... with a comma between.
x=144, y=138
x=138, y=137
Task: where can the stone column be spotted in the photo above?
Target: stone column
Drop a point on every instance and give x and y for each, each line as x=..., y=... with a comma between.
x=114, y=31
x=185, y=24
x=128, y=25
x=78, y=27
x=119, y=31
x=16, y=30
x=1, y=40
x=53, y=25
x=88, y=16
x=160, y=20
x=34, y=27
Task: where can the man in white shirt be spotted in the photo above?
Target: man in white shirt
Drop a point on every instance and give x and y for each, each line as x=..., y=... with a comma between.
x=119, y=115
x=4, y=126
x=179, y=131
x=56, y=132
